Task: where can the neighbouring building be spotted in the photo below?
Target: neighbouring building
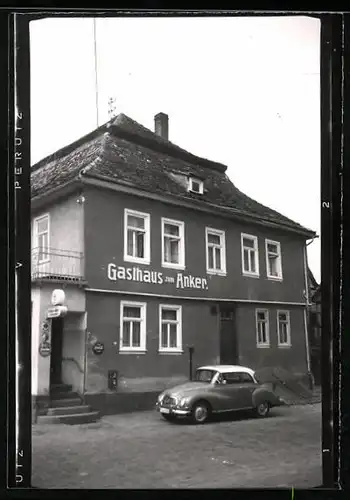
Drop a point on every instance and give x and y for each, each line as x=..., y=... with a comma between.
x=158, y=253
x=314, y=314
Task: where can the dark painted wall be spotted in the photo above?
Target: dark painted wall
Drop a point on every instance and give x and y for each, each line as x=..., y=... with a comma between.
x=291, y=358
x=104, y=235
x=199, y=328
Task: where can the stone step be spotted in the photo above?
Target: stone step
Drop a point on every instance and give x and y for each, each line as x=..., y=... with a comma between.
x=60, y=388
x=64, y=395
x=68, y=410
x=74, y=419
x=55, y=403
x=291, y=398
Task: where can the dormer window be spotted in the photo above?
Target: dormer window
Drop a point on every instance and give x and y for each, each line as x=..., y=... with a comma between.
x=195, y=185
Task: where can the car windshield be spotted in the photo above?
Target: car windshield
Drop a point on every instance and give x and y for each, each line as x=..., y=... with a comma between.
x=204, y=375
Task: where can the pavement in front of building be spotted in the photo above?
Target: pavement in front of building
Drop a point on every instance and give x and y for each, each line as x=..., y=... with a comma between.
x=141, y=450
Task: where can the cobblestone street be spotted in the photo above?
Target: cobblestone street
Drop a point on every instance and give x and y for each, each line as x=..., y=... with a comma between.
x=141, y=450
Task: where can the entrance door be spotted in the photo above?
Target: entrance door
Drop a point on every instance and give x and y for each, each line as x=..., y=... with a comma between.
x=56, y=351
x=228, y=339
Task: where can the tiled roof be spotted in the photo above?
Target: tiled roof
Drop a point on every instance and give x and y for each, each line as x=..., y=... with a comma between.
x=123, y=151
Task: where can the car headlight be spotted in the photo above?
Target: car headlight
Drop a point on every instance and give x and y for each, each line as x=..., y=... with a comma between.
x=160, y=398
x=183, y=402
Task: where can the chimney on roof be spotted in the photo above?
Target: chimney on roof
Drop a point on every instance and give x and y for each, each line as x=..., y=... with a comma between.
x=161, y=125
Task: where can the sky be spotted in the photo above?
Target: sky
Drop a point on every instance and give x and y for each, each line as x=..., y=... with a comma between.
x=243, y=91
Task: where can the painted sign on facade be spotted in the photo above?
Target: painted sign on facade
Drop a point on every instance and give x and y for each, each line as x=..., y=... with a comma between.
x=135, y=274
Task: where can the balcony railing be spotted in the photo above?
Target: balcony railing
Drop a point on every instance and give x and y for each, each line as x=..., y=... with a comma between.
x=57, y=265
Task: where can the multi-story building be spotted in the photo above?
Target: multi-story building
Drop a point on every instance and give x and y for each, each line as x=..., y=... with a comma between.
x=159, y=255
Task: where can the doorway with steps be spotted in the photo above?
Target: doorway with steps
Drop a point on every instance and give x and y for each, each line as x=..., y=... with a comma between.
x=56, y=353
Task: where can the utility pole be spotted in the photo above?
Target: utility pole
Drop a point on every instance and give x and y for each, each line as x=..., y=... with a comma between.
x=96, y=73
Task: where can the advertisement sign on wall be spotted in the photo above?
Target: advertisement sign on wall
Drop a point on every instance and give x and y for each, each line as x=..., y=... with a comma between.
x=136, y=274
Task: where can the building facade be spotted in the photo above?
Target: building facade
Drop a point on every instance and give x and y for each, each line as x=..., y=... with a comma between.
x=165, y=265
x=314, y=315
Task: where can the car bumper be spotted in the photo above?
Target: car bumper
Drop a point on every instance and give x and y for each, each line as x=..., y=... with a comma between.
x=281, y=402
x=179, y=412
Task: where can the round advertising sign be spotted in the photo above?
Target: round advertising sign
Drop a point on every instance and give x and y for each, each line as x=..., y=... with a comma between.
x=58, y=297
x=45, y=349
x=98, y=348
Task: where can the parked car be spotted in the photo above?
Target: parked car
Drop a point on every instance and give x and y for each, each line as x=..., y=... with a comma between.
x=216, y=389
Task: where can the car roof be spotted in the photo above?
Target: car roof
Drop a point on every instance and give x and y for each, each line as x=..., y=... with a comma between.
x=227, y=368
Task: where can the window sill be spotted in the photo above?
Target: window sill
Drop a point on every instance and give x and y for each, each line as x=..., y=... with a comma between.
x=137, y=261
x=263, y=346
x=177, y=267
x=165, y=352
x=275, y=278
x=194, y=191
x=131, y=351
x=284, y=346
x=215, y=272
x=250, y=275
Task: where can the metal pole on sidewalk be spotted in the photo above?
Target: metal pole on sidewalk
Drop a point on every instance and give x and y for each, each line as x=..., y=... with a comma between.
x=190, y=352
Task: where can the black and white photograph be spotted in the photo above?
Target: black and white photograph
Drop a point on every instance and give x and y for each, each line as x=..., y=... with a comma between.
x=175, y=252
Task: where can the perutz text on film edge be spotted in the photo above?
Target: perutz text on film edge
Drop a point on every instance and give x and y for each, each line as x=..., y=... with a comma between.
x=18, y=152
x=19, y=473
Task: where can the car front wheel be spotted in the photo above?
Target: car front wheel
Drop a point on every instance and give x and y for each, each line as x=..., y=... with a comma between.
x=263, y=409
x=200, y=412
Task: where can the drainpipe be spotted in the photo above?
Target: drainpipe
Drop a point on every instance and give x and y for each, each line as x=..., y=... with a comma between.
x=309, y=372
x=85, y=363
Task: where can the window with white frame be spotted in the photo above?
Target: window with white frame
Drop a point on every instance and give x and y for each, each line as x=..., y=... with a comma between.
x=283, y=328
x=273, y=259
x=195, y=185
x=41, y=235
x=132, y=326
x=216, y=251
x=136, y=237
x=262, y=328
x=250, y=255
x=170, y=328
x=173, y=243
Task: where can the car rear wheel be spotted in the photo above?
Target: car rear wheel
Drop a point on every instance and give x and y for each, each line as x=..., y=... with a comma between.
x=200, y=412
x=263, y=409
x=169, y=418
